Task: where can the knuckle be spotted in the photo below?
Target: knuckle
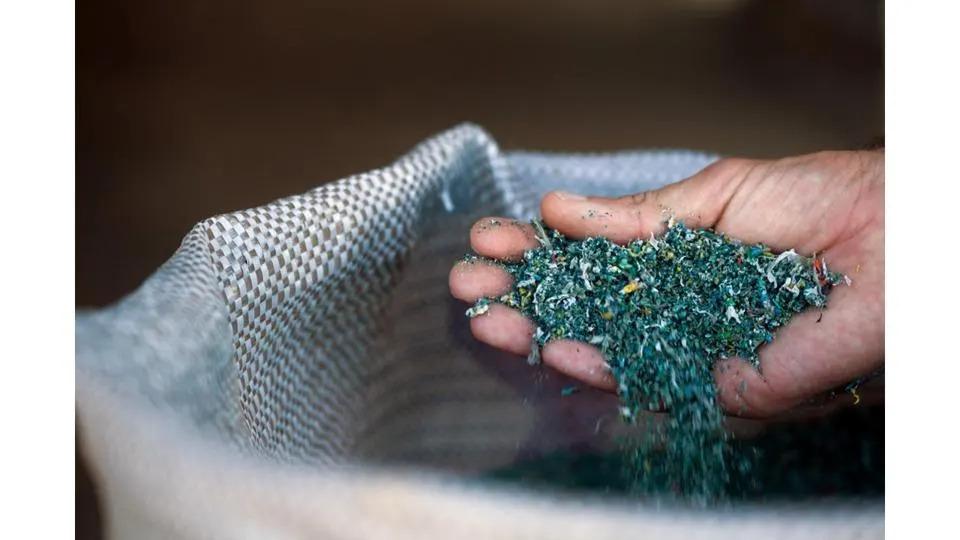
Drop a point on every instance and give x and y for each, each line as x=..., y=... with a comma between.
x=728, y=166
x=640, y=199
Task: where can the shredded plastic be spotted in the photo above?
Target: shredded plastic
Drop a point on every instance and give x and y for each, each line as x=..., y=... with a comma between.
x=663, y=311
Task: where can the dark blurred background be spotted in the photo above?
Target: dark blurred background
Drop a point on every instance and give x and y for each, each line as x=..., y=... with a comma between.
x=189, y=108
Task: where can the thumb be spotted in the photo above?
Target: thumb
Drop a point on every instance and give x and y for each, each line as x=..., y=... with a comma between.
x=698, y=201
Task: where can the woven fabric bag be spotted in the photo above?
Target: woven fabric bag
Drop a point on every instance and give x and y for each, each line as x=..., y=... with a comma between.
x=299, y=370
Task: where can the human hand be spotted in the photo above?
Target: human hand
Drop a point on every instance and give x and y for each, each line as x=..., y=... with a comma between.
x=829, y=203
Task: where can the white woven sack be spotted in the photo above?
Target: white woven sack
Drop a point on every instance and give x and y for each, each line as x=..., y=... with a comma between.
x=299, y=370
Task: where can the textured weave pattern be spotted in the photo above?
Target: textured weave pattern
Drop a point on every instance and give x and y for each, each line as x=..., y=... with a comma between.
x=307, y=279
x=317, y=331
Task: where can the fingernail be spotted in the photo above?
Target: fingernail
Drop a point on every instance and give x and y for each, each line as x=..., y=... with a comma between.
x=566, y=196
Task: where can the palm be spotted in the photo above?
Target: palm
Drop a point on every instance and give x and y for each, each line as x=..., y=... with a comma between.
x=827, y=203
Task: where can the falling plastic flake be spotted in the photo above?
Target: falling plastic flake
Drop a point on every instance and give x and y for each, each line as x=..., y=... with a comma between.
x=662, y=311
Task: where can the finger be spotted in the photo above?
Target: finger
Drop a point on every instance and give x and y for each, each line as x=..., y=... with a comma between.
x=504, y=328
x=824, y=405
x=698, y=201
x=502, y=238
x=578, y=216
x=580, y=361
x=472, y=280
x=743, y=391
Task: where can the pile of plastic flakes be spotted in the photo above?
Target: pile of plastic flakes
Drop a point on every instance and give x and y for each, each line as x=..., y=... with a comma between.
x=663, y=311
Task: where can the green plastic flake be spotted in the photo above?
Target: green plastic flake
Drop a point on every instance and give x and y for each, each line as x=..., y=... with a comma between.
x=478, y=309
x=662, y=311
